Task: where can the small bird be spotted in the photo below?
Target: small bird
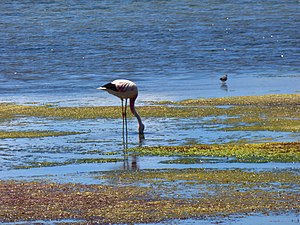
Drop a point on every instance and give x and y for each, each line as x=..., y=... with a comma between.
x=125, y=89
x=223, y=78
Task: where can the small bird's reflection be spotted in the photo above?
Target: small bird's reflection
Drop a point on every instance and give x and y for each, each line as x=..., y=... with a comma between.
x=224, y=86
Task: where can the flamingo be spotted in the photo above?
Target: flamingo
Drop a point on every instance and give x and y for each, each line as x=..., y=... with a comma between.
x=223, y=78
x=125, y=89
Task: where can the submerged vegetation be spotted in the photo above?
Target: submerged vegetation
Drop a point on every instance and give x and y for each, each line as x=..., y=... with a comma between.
x=141, y=196
x=261, y=100
x=240, y=179
x=264, y=152
x=36, y=164
x=162, y=197
x=33, y=134
x=269, y=112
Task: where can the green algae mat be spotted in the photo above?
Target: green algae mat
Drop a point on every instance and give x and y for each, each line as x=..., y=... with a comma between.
x=159, y=109
x=255, y=153
x=268, y=112
x=33, y=134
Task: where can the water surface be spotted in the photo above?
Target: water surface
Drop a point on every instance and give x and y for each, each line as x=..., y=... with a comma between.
x=61, y=51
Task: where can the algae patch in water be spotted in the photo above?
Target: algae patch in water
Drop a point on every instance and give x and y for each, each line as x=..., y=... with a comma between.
x=261, y=100
x=206, y=179
x=33, y=134
x=215, y=193
x=267, y=112
x=36, y=164
x=9, y=111
x=263, y=152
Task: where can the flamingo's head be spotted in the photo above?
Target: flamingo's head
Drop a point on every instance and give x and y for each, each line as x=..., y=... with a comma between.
x=141, y=129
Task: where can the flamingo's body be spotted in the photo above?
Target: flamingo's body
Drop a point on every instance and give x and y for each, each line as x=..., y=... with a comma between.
x=125, y=89
x=224, y=78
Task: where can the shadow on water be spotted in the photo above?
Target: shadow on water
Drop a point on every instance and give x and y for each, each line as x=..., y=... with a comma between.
x=224, y=86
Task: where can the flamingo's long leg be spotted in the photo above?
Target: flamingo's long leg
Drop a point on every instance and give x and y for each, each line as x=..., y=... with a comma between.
x=123, y=120
x=123, y=132
x=126, y=130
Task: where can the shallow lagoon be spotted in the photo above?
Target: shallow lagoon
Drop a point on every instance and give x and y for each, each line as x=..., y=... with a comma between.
x=101, y=138
x=96, y=150
x=58, y=53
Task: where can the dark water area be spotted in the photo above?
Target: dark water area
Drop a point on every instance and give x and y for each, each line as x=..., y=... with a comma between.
x=61, y=51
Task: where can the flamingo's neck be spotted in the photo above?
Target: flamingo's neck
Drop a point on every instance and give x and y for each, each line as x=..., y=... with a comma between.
x=135, y=113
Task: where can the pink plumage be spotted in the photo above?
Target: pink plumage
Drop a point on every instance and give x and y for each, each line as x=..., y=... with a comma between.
x=125, y=89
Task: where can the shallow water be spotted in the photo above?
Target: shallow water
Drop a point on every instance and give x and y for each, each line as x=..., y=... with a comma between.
x=100, y=138
x=287, y=219
x=61, y=51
